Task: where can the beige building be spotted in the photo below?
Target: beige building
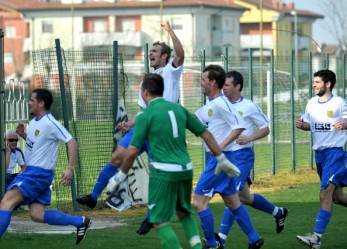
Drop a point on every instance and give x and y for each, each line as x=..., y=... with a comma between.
x=204, y=24
x=271, y=24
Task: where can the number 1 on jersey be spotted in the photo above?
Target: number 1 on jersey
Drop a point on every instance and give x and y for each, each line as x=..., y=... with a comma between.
x=173, y=124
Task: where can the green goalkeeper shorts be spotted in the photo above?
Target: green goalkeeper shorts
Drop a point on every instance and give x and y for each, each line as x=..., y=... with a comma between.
x=168, y=192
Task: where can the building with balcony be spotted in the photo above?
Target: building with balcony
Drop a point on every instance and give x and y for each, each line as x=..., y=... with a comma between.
x=203, y=24
x=271, y=24
x=16, y=33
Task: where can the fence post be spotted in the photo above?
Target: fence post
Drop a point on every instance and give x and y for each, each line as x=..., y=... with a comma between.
x=293, y=72
x=203, y=97
x=344, y=80
x=344, y=76
x=115, y=82
x=250, y=72
x=2, y=117
x=250, y=85
x=202, y=67
x=272, y=108
x=65, y=113
x=225, y=59
x=310, y=91
x=145, y=57
x=327, y=61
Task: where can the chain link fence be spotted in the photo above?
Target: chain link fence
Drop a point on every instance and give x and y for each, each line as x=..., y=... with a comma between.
x=94, y=91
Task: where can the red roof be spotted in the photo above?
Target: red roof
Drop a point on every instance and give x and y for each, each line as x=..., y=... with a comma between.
x=25, y=5
x=284, y=8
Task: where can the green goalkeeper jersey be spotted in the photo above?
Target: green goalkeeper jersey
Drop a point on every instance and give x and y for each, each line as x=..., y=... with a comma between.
x=163, y=124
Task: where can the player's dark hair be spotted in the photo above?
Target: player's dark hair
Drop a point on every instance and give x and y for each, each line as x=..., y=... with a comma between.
x=237, y=78
x=45, y=96
x=326, y=75
x=217, y=73
x=154, y=84
x=165, y=49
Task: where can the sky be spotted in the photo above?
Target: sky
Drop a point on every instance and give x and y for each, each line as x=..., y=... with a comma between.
x=320, y=34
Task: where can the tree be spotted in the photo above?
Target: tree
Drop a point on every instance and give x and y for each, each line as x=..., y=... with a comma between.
x=336, y=21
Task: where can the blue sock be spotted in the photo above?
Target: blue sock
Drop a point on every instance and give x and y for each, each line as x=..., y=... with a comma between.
x=226, y=224
x=104, y=176
x=242, y=218
x=55, y=217
x=322, y=221
x=5, y=218
x=264, y=205
x=147, y=214
x=207, y=224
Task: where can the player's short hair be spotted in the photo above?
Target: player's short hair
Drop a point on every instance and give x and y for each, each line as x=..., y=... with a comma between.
x=45, y=96
x=165, y=49
x=154, y=84
x=326, y=75
x=217, y=73
x=237, y=78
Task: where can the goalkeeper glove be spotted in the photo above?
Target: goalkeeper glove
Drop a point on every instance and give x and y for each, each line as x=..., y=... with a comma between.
x=115, y=181
x=225, y=165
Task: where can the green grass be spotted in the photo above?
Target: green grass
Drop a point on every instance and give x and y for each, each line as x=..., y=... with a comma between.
x=299, y=195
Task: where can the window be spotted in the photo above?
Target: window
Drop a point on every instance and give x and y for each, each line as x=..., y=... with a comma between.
x=10, y=32
x=100, y=25
x=177, y=23
x=47, y=27
x=128, y=24
x=8, y=58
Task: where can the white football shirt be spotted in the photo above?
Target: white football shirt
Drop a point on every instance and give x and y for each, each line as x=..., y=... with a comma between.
x=171, y=76
x=42, y=142
x=253, y=116
x=220, y=118
x=321, y=116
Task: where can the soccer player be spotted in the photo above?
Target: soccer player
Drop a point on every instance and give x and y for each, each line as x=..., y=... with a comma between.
x=225, y=124
x=170, y=70
x=326, y=117
x=164, y=125
x=41, y=153
x=244, y=155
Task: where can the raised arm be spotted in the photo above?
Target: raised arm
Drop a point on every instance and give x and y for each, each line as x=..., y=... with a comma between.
x=179, y=58
x=21, y=131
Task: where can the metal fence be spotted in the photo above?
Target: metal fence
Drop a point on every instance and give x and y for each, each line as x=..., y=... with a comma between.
x=89, y=87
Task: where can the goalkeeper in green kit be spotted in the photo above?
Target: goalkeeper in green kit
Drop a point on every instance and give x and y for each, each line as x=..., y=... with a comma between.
x=163, y=124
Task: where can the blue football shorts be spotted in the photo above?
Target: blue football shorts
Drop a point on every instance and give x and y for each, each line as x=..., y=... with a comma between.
x=244, y=160
x=127, y=139
x=331, y=166
x=209, y=184
x=34, y=183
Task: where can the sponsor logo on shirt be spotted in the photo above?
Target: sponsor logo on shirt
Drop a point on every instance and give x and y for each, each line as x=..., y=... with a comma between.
x=29, y=144
x=322, y=127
